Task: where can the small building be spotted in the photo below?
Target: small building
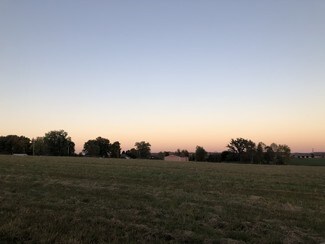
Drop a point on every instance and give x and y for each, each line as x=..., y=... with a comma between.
x=176, y=158
x=301, y=155
x=309, y=155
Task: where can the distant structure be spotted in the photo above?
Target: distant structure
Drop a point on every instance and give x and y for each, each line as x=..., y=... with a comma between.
x=176, y=158
x=309, y=155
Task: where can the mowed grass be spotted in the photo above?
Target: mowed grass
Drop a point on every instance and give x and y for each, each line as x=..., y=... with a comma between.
x=85, y=200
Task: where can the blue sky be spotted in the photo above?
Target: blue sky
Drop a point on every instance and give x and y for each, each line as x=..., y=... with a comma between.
x=174, y=73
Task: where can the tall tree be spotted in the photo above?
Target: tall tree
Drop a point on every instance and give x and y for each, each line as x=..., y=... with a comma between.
x=39, y=147
x=104, y=146
x=100, y=147
x=115, y=150
x=132, y=153
x=260, y=150
x=143, y=149
x=250, y=150
x=269, y=155
x=238, y=147
x=14, y=144
x=91, y=148
x=58, y=143
x=283, y=154
x=200, y=154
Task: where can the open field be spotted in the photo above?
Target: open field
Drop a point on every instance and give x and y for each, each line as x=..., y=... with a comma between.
x=85, y=200
x=307, y=161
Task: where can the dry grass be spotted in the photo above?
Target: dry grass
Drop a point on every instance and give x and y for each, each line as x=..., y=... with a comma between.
x=83, y=200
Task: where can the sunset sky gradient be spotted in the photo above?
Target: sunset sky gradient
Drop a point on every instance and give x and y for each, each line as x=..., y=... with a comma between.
x=174, y=73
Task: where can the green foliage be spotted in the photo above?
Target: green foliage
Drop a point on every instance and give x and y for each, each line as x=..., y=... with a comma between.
x=181, y=153
x=115, y=150
x=214, y=157
x=39, y=147
x=12, y=144
x=200, y=154
x=58, y=143
x=143, y=149
x=283, y=154
x=260, y=151
x=227, y=156
x=132, y=153
x=91, y=148
x=244, y=150
x=100, y=147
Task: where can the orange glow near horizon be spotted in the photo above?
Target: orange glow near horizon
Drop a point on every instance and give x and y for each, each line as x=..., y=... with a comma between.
x=188, y=137
x=132, y=81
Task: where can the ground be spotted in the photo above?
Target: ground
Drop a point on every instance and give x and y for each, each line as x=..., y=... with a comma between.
x=85, y=200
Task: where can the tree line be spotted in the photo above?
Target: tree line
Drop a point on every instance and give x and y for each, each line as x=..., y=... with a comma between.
x=246, y=151
x=53, y=143
x=58, y=143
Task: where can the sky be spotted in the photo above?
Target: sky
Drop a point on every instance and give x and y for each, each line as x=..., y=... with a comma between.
x=176, y=74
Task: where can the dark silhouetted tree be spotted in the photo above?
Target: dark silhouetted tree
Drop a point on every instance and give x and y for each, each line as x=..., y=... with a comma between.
x=181, y=153
x=91, y=148
x=143, y=149
x=283, y=154
x=200, y=154
x=39, y=147
x=132, y=153
x=14, y=144
x=214, y=157
x=115, y=150
x=238, y=147
x=100, y=147
x=58, y=143
x=260, y=151
x=245, y=149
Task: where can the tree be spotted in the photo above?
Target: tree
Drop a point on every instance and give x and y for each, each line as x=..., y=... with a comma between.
x=250, y=150
x=227, y=156
x=214, y=157
x=104, y=146
x=115, y=150
x=182, y=153
x=39, y=147
x=143, y=149
x=269, y=155
x=91, y=148
x=260, y=150
x=100, y=147
x=14, y=144
x=71, y=146
x=282, y=154
x=178, y=152
x=185, y=153
x=238, y=147
x=243, y=148
x=200, y=154
x=58, y=143
x=132, y=153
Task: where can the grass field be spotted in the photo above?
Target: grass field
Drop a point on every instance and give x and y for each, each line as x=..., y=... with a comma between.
x=84, y=200
x=307, y=161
